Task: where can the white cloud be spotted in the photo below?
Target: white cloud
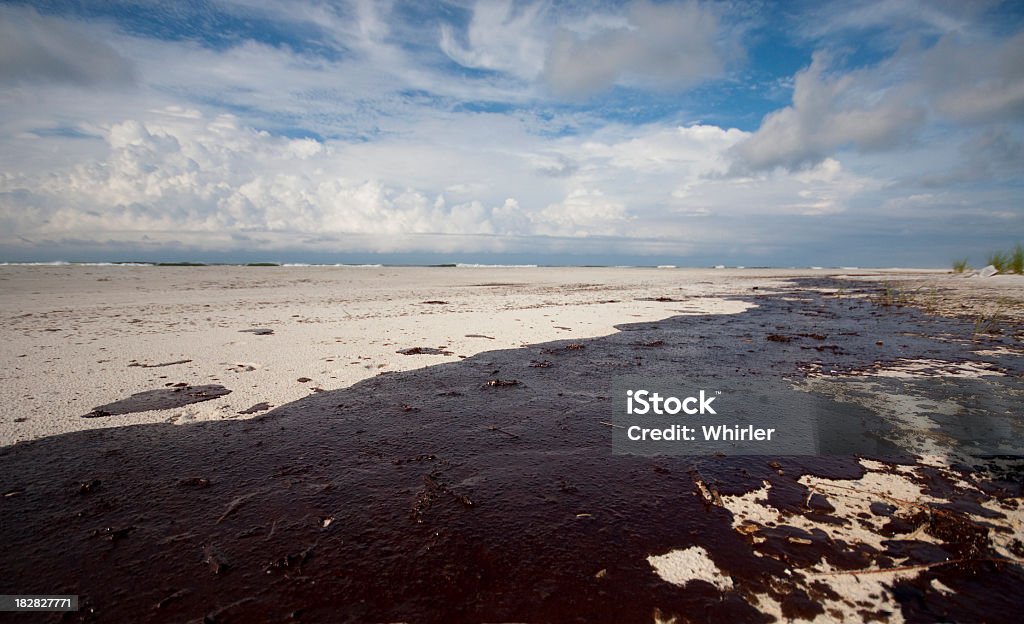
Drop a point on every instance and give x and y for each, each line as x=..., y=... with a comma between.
x=831, y=111
x=400, y=163
x=213, y=182
x=956, y=80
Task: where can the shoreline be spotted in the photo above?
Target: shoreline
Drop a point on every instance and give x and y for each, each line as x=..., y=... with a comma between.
x=80, y=337
x=386, y=498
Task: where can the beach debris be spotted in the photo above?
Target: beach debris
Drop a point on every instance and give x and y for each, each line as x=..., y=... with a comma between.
x=748, y=528
x=217, y=615
x=259, y=331
x=325, y=521
x=988, y=271
x=303, y=380
x=20, y=419
x=179, y=395
x=778, y=338
x=198, y=482
x=708, y=492
x=431, y=492
x=178, y=595
x=15, y=491
x=499, y=429
x=234, y=505
x=574, y=346
x=662, y=299
x=424, y=351
x=215, y=559
x=291, y=560
x=479, y=336
x=435, y=302
x=259, y=407
x=88, y=487
x=141, y=365
x=653, y=343
x=501, y=383
x=540, y=364
x=113, y=534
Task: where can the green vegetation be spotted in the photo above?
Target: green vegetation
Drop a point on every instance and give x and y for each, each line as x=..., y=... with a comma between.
x=988, y=322
x=1000, y=260
x=892, y=295
x=1003, y=261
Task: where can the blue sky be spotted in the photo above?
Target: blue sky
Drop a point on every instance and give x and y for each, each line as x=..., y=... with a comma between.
x=756, y=133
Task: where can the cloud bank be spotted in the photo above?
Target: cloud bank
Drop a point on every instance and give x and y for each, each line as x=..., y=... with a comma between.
x=676, y=129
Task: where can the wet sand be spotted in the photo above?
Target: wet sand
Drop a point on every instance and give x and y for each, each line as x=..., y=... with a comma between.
x=483, y=488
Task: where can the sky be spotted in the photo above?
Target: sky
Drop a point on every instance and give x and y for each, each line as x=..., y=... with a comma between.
x=793, y=133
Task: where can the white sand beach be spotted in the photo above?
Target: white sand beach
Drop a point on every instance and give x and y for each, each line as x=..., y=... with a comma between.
x=76, y=337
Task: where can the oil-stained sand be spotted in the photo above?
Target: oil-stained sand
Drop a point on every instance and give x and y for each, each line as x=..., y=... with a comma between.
x=434, y=495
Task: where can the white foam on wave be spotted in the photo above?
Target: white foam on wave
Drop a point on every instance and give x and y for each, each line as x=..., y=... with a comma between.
x=495, y=266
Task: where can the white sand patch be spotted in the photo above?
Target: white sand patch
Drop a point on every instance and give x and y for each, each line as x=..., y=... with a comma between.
x=998, y=352
x=920, y=368
x=1013, y=523
x=852, y=501
x=924, y=368
x=679, y=567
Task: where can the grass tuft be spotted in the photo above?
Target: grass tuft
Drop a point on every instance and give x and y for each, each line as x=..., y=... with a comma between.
x=959, y=266
x=999, y=260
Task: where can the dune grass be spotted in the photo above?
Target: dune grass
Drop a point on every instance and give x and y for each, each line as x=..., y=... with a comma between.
x=1004, y=261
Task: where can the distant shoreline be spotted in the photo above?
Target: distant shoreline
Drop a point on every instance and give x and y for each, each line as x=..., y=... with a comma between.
x=467, y=265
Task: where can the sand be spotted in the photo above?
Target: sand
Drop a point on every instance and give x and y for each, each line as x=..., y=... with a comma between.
x=78, y=337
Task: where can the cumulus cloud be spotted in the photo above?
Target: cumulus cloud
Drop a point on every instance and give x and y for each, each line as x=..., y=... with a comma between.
x=36, y=48
x=183, y=178
x=661, y=46
x=830, y=111
x=956, y=80
x=186, y=175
